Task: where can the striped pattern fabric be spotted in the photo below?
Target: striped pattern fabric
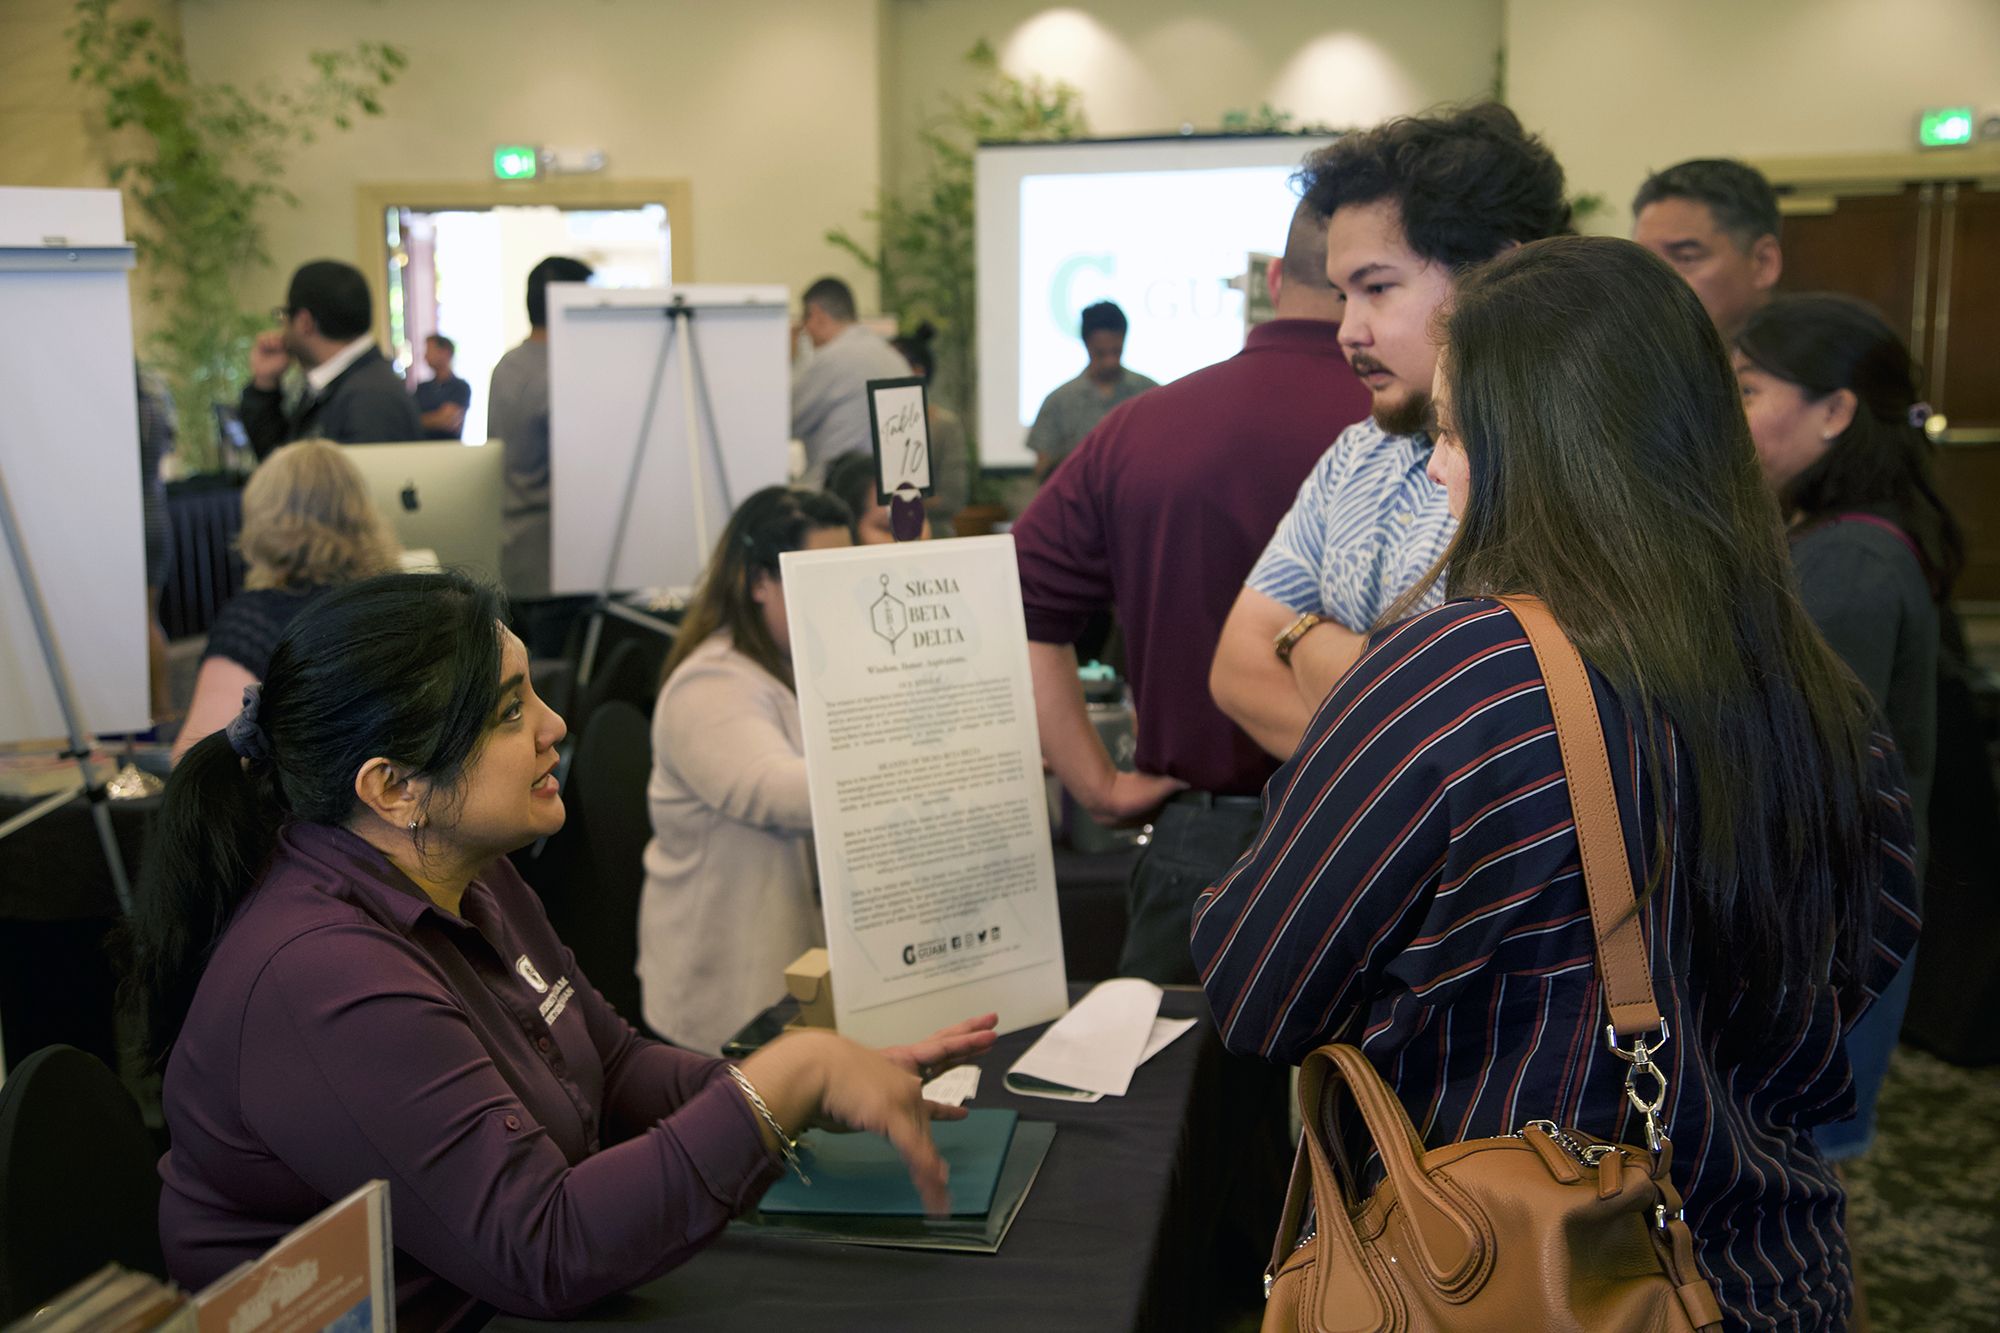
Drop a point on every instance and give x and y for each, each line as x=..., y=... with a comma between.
x=1365, y=527
x=1415, y=889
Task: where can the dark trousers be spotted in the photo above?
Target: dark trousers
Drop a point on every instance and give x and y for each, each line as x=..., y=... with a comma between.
x=1196, y=838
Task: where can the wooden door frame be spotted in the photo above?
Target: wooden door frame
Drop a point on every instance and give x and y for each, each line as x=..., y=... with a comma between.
x=372, y=201
x=1810, y=185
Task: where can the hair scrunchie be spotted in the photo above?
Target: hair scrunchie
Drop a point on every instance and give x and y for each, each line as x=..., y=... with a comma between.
x=250, y=741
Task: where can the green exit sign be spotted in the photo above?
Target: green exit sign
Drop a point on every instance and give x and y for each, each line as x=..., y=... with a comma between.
x=515, y=162
x=1945, y=127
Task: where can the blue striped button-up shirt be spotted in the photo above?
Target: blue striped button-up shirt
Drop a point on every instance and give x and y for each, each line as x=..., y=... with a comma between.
x=1365, y=527
x=1416, y=886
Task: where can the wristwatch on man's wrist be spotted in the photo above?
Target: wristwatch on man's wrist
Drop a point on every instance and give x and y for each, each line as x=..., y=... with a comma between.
x=1295, y=631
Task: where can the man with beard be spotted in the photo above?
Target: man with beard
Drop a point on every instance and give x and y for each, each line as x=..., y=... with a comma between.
x=351, y=394
x=1410, y=204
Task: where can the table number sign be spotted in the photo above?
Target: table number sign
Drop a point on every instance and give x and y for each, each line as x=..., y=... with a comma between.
x=899, y=421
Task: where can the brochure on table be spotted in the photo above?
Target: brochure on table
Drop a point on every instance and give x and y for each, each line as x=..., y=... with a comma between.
x=930, y=819
x=335, y=1272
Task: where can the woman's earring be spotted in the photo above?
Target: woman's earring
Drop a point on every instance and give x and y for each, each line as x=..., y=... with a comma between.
x=413, y=825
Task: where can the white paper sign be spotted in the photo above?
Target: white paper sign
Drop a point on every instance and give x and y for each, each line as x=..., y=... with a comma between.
x=930, y=818
x=902, y=434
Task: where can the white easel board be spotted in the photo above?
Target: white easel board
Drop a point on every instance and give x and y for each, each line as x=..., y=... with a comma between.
x=930, y=818
x=69, y=451
x=604, y=346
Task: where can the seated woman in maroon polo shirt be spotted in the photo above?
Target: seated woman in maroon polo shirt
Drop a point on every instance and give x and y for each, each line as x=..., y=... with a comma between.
x=355, y=984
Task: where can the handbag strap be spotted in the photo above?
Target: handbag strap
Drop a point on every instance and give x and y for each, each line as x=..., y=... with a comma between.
x=1600, y=835
x=1622, y=965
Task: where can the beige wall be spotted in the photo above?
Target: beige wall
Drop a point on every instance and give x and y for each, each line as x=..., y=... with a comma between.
x=785, y=115
x=1621, y=89
x=1148, y=66
x=766, y=107
x=51, y=131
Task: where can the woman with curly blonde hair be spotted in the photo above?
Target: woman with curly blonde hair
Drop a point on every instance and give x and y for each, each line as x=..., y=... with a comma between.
x=308, y=525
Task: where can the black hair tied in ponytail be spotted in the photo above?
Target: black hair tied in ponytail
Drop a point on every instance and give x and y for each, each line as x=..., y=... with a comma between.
x=402, y=666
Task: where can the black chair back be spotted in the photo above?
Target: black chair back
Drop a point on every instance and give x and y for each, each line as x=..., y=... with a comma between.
x=628, y=670
x=594, y=903
x=78, y=1182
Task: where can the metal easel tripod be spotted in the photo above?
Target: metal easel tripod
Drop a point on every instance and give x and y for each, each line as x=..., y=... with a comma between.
x=694, y=393
x=79, y=743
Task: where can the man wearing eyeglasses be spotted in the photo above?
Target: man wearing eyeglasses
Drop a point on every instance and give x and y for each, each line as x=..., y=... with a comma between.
x=351, y=393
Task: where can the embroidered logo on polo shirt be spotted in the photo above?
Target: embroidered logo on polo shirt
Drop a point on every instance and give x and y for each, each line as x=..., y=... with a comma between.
x=528, y=972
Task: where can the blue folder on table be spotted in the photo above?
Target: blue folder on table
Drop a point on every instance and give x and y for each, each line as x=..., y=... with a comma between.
x=861, y=1175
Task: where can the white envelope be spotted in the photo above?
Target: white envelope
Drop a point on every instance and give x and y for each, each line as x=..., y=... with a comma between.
x=1096, y=1045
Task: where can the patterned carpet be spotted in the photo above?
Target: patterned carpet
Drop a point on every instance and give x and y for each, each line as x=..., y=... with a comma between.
x=1924, y=1205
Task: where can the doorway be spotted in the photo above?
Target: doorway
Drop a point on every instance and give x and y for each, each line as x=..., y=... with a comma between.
x=463, y=273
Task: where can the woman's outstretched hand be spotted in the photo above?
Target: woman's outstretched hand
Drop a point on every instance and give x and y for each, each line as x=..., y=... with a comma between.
x=945, y=1048
x=813, y=1076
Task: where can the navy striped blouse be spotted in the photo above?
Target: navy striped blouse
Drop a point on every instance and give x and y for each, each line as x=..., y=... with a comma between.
x=1416, y=888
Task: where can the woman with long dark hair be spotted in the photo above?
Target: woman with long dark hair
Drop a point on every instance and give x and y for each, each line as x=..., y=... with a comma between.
x=1831, y=398
x=1416, y=884
x=730, y=896
x=355, y=984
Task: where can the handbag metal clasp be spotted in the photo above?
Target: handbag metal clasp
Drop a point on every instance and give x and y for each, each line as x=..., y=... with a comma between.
x=1639, y=1061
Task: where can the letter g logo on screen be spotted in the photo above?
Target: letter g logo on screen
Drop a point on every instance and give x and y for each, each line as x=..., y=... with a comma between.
x=1065, y=306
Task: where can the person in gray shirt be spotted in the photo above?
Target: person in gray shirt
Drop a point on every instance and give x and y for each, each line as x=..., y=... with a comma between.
x=829, y=388
x=1830, y=394
x=518, y=416
x=1073, y=410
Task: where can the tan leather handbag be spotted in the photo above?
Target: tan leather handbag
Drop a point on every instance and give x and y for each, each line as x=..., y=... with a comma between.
x=1546, y=1229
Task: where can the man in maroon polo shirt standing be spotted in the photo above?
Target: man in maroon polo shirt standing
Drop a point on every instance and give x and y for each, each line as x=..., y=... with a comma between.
x=1160, y=513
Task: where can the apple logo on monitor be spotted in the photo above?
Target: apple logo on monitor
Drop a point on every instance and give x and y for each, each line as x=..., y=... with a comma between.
x=410, y=501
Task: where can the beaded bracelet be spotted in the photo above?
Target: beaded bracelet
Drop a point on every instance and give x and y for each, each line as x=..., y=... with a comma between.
x=787, y=1145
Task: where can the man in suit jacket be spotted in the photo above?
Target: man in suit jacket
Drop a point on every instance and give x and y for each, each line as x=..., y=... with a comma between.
x=352, y=395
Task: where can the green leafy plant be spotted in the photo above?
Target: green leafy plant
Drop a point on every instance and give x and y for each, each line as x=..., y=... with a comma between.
x=200, y=161
x=924, y=253
x=1268, y=119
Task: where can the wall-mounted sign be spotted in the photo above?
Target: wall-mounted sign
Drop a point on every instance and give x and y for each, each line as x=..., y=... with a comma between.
x=515, y=162
x=1945, y=127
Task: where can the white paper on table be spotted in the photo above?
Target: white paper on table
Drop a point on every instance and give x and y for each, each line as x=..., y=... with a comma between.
x=1098, y=1043
x=1166, y=1031
x=954, y=1087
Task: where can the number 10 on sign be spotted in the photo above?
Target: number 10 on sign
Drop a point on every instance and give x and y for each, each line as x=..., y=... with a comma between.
x=898, y=419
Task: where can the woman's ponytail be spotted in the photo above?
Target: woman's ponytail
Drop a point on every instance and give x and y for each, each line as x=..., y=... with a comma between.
x=215, y=830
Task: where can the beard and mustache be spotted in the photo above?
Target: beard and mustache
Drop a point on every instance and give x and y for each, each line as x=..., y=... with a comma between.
x=1404, y=416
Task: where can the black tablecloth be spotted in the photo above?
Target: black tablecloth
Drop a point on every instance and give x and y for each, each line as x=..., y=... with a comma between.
x=203, y=517
x=58, y=978
x=1112, y=1236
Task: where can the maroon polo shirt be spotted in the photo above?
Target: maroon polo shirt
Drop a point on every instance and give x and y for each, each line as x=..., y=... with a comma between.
x=1161, y=512
x=540, y=1154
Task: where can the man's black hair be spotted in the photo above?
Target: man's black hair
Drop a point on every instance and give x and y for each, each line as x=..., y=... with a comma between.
x=450, y=347
x=1738, y=197
x=834, y=297
x=1105, y=316
x=337, y=296
x=556, y=268
x=1466, y=183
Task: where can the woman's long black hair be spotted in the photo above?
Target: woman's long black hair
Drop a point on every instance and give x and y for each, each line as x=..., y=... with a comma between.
x=1612, y=473
x=1881, y=463
x=401, y=666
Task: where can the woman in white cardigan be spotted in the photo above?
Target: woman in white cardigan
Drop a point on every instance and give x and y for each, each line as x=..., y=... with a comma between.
x=730, y=897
